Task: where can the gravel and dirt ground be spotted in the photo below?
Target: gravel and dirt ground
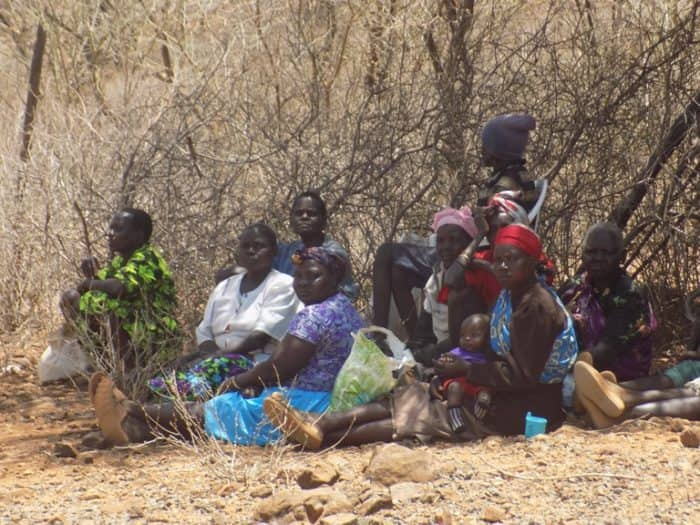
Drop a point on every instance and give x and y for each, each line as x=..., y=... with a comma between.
x=638, y=472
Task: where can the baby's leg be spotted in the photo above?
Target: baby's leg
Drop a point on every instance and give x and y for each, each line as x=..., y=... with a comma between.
x=455, y=395
x=455, y=412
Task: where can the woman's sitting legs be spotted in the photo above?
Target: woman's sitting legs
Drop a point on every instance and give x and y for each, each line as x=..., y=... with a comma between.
x=363, y=424
x=123, y=421
x=616, y=402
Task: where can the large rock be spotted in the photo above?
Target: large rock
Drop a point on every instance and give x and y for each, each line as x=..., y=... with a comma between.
x=316, y=475
x=393, y=464
x=309, y=504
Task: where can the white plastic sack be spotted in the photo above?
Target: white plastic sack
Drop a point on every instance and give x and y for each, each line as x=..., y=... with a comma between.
x=367, y=373
x=63, y=358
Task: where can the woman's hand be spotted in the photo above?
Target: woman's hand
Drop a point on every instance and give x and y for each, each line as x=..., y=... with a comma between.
x=481, y=219
x=435, y=389
x=89, y=267
x=448, y=366
x=228, y=385
x=111, y=287
x=84, y=286
x=425, y=355
x=186, y=359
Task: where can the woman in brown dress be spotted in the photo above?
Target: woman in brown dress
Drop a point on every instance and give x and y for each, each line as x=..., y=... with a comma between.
x=533, y=347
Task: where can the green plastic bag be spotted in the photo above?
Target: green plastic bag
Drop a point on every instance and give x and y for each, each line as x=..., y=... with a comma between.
x=367, y=372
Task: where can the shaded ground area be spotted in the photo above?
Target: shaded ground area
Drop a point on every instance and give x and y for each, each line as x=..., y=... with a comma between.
x=638, y=472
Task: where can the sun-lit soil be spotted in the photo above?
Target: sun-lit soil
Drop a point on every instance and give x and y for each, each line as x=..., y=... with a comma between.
x=638, y=472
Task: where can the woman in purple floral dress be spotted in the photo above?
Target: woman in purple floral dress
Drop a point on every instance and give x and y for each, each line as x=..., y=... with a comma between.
x=304, y=367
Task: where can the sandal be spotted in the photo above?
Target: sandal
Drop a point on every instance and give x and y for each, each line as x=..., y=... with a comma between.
x=291, y=422
x=110, y=412
x=598, y=418
x=595, y=388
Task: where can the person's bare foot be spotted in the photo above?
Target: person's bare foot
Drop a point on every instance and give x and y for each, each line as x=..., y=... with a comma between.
x=292, y=423
x=609, y=397
x=117, y=416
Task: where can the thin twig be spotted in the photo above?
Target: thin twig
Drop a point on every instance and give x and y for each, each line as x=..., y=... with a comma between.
x=139, y=445
x=557, y=478
x=86, y=236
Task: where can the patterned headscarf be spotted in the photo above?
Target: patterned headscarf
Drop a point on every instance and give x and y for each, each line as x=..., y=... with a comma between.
x=334, y=261
x=504, y=201
x=461, y=217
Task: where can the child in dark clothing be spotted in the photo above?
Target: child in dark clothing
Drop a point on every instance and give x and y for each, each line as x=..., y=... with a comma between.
x=473, y=346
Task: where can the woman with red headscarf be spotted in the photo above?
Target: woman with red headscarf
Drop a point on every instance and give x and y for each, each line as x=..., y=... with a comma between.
x=534, y=346
x=473, y=286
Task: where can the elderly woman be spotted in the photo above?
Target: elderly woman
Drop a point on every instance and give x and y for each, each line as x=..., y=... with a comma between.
x=130, y=302
x=245, y=318
x=304, y=366
x=614, y=320
x=534, y=346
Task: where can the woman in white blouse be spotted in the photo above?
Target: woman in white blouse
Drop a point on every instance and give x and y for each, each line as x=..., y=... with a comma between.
x=245, y=318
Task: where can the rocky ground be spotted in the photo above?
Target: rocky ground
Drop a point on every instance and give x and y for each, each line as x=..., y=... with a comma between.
x=639, y=472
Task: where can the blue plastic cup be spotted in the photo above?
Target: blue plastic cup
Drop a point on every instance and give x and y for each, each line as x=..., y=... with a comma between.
x=534, y=425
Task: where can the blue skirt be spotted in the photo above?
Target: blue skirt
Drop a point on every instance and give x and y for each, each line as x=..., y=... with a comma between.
x=233, y=418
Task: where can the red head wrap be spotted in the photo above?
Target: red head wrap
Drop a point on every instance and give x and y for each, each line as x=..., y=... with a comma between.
x=521, y=237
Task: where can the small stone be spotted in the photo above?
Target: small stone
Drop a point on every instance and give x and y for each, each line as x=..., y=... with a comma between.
x=86, y=458
x=92, y=495
x=64, y=450
x=406, y=491
x=493, y=515
x=261, y=492
x=229, y=488
x=444, y=518
x=344, y=518
x=300, y=502
x=676, y=425
x=370, y=521
x=375, y=503
x=317, y=475
x=314, y=510
x=690, y=438
x=394, y=463
x=94, y=441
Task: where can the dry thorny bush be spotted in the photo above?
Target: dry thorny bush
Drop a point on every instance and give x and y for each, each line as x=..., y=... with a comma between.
x=212, y=114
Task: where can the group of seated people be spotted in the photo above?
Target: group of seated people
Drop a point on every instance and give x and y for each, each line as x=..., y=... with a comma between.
x=493, y=339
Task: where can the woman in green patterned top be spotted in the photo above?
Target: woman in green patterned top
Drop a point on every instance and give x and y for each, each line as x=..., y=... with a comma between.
x=129, y=303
